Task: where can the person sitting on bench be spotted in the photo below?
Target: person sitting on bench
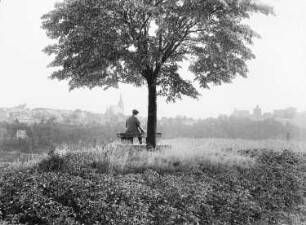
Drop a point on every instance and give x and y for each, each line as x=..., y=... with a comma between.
x=134, y=128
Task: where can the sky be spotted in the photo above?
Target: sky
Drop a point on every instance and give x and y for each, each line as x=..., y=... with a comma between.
x=276, y=78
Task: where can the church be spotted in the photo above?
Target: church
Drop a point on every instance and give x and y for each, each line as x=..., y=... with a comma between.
x=116, y=109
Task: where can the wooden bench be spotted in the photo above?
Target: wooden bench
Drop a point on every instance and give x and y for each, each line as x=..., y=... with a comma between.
x=126, y=137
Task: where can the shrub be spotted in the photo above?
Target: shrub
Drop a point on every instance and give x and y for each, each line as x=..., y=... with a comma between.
x=52, y=162
x=277, y=183
x=86, y=188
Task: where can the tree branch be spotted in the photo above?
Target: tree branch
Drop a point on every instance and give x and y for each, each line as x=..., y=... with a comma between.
x=176, y=43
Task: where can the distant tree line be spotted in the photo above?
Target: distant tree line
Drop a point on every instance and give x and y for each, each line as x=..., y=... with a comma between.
x=49, y=134
x=46, y=135
x=230, y=128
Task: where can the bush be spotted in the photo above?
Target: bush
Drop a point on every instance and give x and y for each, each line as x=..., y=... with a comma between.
x=64, y=190
x=278, y=183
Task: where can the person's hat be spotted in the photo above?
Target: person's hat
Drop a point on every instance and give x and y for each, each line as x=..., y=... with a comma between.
x=135, y=112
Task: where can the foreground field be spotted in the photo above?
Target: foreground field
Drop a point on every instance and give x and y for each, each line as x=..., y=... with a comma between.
x=198, y=181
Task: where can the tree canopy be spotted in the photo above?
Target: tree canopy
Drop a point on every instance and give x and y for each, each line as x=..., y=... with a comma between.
x=106, y=42
x=102, y=43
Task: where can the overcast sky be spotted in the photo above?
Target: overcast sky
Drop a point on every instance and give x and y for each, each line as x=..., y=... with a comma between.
x=276, y=79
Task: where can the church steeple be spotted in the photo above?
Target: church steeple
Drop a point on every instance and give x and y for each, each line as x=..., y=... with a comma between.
x=121, y=104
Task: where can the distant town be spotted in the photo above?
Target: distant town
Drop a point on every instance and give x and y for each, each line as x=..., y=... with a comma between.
x=287, y=115
x=39, y=128
x=22, y=114
x=116, y=112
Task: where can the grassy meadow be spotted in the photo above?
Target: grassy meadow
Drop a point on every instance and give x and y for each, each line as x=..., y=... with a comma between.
x=196, y=181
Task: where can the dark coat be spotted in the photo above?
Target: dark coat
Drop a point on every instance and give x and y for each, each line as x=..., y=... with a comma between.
x=133, y=124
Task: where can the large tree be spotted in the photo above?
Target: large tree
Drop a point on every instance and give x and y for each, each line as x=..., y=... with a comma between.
x=105, y=42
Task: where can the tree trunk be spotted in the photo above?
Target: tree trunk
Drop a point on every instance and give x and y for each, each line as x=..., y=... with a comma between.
x=152, y=115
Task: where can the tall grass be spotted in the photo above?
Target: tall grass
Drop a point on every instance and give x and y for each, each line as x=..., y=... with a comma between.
x=184, y=154
x=228, y=151
x=213, y=144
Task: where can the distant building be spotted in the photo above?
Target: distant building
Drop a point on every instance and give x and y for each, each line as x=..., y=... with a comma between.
x=267, y=115
x=241, y=113
x=287, y=113
x=18, y=108
x=21, y=134
x=21, y=116
x=25, y=118
x=257, y=113
x=45, y=114
x=116, y=109
x=3, y=115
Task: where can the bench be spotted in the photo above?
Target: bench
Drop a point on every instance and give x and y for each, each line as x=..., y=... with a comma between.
x=126, y=137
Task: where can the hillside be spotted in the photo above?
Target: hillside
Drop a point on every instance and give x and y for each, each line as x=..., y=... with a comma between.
x=203, y=181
